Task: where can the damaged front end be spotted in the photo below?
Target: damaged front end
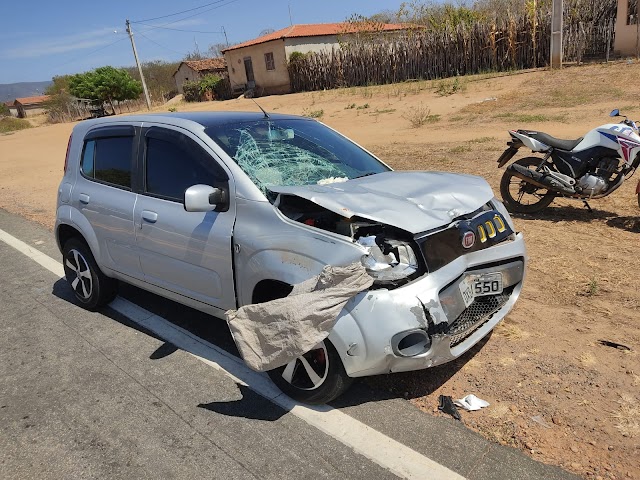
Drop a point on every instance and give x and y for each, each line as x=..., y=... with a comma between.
x=390, y=253
x=416, y=315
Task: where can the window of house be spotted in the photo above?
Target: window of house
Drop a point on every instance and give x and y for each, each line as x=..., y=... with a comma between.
x=175, y=163
x=269, y=61
x=632, y=12
x=108, y=160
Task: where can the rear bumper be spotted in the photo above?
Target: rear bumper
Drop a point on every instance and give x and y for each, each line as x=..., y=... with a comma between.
x=366, y=334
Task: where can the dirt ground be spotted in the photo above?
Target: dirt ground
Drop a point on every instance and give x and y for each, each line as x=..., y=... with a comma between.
x=556, y=392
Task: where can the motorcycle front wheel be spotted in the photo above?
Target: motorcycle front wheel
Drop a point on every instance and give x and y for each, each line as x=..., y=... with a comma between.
x=520, y=196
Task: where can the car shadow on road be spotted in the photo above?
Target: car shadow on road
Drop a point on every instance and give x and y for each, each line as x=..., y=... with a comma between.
x=407, y=385
x=252, y=406
x=215, y=331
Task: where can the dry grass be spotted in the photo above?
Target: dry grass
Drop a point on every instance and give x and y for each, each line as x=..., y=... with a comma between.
x=511, y=331
x=11, y=124
x=587, y=359
x=627, y=418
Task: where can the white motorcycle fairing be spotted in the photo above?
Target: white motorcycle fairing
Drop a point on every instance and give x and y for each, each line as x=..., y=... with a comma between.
x=532, y=143
x=616, y=136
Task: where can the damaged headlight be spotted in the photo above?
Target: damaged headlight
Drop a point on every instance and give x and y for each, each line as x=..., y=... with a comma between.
x=388, y=260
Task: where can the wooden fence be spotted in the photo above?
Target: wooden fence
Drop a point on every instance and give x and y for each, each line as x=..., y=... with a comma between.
x=463, y=50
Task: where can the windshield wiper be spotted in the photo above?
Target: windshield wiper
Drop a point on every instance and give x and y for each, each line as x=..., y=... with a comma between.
x=366, y=174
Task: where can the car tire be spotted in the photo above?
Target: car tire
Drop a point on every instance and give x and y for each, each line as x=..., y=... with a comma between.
x=92, y=288
x=315, y=378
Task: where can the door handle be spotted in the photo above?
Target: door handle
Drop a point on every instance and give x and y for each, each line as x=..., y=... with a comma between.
x=149, y=216
x=84, y=198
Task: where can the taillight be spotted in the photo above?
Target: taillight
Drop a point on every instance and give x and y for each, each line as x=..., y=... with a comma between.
x=66, y=157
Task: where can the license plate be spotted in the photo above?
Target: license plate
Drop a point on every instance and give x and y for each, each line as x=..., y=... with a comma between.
x=479, y=286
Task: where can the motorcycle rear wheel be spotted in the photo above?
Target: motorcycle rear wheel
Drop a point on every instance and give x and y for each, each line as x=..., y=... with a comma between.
x=520, y=196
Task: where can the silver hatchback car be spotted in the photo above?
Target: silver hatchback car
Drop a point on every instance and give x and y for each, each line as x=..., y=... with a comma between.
x=219, y=210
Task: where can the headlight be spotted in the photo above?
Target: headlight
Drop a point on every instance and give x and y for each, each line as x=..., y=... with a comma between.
x=388, y=260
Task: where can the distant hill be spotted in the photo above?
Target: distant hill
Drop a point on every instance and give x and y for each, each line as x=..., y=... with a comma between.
x=11, y=91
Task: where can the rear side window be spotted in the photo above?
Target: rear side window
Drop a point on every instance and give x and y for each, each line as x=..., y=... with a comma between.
x=108, y=160
x=175, y=163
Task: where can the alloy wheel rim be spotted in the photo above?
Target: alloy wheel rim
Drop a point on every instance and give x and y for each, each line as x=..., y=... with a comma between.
x=79, y=275
x=309, y=371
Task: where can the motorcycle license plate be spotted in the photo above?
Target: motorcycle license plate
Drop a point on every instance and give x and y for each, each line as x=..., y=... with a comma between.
x=479, y=286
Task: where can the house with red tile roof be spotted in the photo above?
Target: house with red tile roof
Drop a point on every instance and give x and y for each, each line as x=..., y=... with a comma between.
x=261, y=63
x=192, y=70
x=30, y=105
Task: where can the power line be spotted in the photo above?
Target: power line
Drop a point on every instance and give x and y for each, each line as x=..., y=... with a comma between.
x=90, y=53
x=151, y=27
x=198, y=13
x=177, y=13
x=162, y=46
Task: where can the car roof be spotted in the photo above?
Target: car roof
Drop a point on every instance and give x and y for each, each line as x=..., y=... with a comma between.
x=206, y=119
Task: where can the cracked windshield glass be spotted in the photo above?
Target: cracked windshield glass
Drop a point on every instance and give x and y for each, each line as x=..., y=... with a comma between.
x=293, y=153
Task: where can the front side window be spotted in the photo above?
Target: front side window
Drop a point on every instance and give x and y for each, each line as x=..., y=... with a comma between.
x=108, y=160
x=176, y=163
x=269, y=61
x=293, y=152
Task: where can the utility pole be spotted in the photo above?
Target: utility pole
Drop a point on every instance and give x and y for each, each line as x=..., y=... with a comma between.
x=135, y=55
x=225, y=35
x=556, y=34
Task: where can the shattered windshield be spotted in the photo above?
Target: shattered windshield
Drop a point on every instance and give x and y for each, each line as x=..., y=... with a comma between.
x=293, y=152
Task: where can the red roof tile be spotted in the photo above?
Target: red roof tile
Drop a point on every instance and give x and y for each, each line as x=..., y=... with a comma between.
x=313, y=30
x=207, y=64
x=32, y=100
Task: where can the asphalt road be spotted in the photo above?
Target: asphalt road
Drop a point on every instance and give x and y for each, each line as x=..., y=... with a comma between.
x=98, y=395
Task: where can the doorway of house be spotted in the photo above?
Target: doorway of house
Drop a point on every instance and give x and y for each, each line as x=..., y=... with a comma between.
x=248, y=68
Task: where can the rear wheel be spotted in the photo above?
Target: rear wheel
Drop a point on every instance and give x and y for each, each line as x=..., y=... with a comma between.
x=92, y=288
x=520, y=196
x=316, y=377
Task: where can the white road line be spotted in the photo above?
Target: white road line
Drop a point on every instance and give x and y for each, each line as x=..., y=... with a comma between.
x=377, y=447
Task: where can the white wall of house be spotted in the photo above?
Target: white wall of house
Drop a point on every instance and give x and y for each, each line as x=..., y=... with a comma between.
x=322, y=43
x=185, y=74
x=626, y=35
x=272, y=81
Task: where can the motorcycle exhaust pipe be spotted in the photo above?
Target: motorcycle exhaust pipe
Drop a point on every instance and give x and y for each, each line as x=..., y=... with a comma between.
x=539, y=179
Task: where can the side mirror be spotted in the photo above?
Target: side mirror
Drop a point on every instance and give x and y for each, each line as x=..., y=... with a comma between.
x=615, y=113
x=204, y=198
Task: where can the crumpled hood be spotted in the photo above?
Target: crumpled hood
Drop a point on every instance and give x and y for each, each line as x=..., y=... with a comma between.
x=412, y=201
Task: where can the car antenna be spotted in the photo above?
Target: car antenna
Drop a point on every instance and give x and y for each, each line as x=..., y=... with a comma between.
x=266, y=115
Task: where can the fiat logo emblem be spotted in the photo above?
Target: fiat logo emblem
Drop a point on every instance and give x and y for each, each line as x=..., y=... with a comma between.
x=468, y=239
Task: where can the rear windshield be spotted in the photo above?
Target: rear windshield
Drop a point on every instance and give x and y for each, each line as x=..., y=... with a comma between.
x=293, y=152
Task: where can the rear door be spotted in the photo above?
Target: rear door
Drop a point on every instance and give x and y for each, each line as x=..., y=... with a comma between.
x=186, y=252
x=104, y=194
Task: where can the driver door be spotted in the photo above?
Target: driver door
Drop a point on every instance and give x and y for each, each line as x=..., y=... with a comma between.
x=188, y=253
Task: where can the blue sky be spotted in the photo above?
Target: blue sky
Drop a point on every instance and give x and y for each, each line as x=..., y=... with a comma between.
x=40, y=39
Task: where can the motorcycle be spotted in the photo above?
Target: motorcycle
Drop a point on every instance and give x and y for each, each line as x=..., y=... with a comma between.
x=589, y=167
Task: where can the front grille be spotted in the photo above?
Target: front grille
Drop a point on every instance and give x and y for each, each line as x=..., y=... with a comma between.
x=442, y=247
x=476, y=315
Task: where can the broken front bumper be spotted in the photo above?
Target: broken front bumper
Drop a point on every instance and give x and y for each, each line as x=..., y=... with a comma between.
x=426, y=322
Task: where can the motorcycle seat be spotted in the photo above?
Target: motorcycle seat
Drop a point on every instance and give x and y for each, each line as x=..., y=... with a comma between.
x=551, y=141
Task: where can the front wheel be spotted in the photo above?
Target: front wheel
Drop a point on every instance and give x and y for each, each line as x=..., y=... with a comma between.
x=523, y=197
x=317, y=377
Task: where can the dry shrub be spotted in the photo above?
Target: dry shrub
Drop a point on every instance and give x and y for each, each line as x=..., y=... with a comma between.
x=420, y=115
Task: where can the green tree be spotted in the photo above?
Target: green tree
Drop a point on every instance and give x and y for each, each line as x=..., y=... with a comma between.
x=4, y=110
x=59, y=84
x=105, y=84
